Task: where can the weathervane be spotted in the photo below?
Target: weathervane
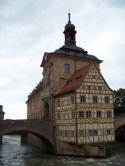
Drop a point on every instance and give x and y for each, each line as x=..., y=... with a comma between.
x=69, y=21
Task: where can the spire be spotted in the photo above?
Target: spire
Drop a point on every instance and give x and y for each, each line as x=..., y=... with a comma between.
x=69, y=21
x=69, y=32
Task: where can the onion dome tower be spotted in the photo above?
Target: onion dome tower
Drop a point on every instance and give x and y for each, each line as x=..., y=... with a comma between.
x=70, y=49
x=70, y=33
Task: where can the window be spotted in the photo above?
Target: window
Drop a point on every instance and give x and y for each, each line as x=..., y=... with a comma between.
x=106, y=99
x=88, y=114
x=95, y=99
x=73, y=114
x=67, y=68
x=109, y=131
x=99, y=88
x=81, y=114
x=109, y=114
x=82, y=99
x=98, y=114
x=89, y=87
x=93, y=132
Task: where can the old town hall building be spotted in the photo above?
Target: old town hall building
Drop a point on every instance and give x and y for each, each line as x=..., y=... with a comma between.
x=74, y=95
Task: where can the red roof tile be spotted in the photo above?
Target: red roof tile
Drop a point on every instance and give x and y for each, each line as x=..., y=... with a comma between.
x=75, y=80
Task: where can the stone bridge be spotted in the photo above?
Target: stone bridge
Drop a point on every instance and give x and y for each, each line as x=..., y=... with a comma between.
x=40, y=128
x=43, y=129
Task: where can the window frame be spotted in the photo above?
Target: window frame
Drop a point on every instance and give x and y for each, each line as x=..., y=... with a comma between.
x=82, y=99
x=95, y=99
x=73, y=114
x=100, y=88
x=88, y=114
x=107, y=99
x=81, y=114
x=93, y=132
x=98, y=114
x=109, y=132
x=109, y=114
x=66, y=68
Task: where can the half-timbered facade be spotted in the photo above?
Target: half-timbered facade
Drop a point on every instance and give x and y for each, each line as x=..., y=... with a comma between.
x=84, y=108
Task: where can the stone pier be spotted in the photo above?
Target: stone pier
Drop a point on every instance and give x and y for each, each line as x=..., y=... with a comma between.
x=24, y=138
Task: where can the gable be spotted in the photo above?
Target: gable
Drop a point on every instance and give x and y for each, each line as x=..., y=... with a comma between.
x=95, y=82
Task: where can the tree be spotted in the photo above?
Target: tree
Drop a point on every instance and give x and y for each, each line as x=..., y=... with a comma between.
x=119, y=100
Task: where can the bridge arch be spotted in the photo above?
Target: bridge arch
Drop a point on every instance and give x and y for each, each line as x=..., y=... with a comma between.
x=23, y=130
x=120, y=134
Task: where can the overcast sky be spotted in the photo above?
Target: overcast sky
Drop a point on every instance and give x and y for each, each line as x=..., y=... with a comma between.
x=28, y=28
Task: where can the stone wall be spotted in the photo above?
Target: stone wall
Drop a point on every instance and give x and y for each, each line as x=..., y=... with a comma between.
x=88, y=150
x=34, y=107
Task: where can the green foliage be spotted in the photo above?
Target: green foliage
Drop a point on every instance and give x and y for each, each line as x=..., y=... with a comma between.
x=119, y=100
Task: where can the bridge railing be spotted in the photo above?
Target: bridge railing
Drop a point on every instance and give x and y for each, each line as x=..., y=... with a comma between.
x=23, y=120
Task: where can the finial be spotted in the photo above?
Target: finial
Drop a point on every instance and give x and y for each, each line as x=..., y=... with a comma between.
x=69, y=22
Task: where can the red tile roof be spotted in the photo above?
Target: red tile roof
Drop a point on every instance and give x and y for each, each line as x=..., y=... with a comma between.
x=75, y=80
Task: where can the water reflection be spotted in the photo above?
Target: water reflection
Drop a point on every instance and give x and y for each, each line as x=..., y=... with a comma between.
x=14, y=153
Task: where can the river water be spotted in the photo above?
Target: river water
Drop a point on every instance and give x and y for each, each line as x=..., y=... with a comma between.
x=14, y=153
